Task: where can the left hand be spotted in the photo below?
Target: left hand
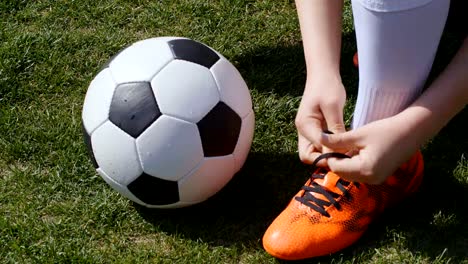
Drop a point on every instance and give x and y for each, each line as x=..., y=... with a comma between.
x=377, y=150
x=321, y=108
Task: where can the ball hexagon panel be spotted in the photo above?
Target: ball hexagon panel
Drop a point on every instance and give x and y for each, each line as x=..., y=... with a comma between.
x=141, y=61
x=215, y=173
x=245, y=140
x=185, y=90
x=170, y=148
x=189, y=50
x=219, y=131
x=133, y=107
x=97, y=101
x=232, y=87
x=154, y=191
x=116, y=153
x=123, y=190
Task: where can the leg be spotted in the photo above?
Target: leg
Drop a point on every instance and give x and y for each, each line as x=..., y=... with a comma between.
x=396, y=52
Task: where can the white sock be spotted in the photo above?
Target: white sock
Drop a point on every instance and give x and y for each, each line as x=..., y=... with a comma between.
x=396, y=51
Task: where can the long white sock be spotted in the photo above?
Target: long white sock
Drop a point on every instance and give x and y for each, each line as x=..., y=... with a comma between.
x=396, y=51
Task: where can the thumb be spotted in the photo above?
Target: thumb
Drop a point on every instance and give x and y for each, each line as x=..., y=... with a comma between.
x=347, y=140
x=334, y=119
x=333, y=115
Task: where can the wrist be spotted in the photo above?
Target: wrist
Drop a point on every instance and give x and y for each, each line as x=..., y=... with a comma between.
x=324, y=75
x=324, y=81
x=417, y=124
x=328, y=71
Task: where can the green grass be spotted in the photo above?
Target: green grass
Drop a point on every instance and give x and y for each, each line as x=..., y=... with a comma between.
x=54, y=208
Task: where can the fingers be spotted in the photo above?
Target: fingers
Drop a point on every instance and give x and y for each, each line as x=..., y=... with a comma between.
x=348, y=168
x=309, y=132
x=308, y=152
x=333, y=115
x=357, y=169
x=344, y=141
x=310, y=128
x=305, y=148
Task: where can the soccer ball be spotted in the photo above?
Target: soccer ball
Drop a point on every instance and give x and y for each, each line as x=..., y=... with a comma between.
x=168, y=121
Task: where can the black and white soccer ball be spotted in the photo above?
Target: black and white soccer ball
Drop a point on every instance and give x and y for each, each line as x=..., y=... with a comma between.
x=168, y=122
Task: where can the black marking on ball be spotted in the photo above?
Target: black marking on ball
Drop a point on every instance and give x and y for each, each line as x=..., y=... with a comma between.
x=189, y=50
x=89, y=146
x=219, y=131
x=133, y=107
x=154, y=191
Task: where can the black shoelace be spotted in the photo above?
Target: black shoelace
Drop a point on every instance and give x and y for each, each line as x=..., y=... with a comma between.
x=317, y=204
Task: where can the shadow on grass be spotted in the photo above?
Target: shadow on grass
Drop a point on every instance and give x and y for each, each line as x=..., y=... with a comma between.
x=240, y=213
x=430, y=224
x=280, y=69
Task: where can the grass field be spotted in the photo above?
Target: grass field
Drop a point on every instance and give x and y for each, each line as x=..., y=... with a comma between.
x=55, y=209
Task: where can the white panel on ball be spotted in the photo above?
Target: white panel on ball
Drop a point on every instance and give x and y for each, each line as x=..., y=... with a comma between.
x=123, y=190
x=212, y=175
x=170, y=148
x=185, y=90
x=245, y=140
x=141, y=61
x=116, y=154
x=97, y=101
x=233, y=89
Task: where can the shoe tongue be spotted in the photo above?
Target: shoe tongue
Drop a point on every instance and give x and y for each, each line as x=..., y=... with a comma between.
x=329, y=181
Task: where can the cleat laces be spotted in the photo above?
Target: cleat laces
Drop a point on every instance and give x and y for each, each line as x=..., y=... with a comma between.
x=315, y=203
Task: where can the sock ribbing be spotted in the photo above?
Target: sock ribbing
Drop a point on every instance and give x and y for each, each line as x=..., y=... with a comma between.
x=374, y=103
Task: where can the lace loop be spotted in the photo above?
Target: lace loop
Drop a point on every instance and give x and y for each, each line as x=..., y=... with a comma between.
x=318, y=204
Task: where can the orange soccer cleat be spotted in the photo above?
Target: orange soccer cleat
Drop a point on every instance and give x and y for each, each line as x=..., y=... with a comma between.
x=329, y=213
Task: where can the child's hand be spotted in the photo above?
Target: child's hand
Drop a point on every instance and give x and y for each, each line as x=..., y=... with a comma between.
x=321, y=108
x=377, y=150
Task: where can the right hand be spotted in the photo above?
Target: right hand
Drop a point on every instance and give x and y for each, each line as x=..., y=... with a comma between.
x=321, y=109
x=379, y=148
